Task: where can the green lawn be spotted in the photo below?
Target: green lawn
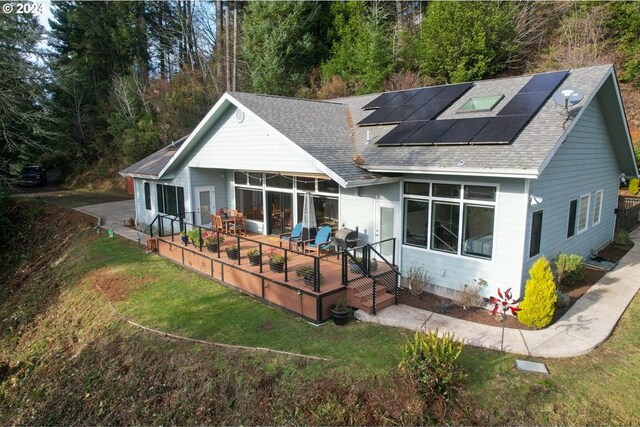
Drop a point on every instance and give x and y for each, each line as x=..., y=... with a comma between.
x=600, y=388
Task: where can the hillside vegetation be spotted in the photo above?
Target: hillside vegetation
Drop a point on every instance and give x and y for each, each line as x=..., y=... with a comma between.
x=122, y=79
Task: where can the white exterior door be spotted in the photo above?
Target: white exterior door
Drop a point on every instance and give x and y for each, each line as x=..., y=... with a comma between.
x=205, y=205
x=388, y=225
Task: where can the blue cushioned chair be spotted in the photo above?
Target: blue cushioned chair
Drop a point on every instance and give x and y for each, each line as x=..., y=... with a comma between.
x=322, y=239
x=294, y=237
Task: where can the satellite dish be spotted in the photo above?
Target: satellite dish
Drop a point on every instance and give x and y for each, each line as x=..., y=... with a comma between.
x=568, y=97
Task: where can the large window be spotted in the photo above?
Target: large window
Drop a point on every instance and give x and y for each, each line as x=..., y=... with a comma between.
x=248, y=178
x=170, y=200
x=249, y=202
x=147, y=196
x=452, y=218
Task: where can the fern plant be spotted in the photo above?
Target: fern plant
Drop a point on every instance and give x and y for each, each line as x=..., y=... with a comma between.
x=540, y=296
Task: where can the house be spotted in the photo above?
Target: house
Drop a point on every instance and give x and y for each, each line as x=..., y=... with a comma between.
x=473, y=180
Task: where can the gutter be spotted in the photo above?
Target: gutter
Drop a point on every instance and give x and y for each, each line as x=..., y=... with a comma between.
x=500, y=173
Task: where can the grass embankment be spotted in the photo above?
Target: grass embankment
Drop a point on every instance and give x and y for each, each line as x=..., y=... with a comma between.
x=66, y=358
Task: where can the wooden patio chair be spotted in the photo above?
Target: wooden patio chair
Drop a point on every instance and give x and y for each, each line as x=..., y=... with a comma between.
x=239, y=226
x=217, y=223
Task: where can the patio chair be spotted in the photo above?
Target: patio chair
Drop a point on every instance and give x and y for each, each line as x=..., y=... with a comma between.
x=295, y=236
x=322, y=239
x=217, y=224
x=239, y=226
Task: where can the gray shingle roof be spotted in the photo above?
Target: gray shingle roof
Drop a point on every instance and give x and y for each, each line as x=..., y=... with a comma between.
x=320, y=128
x=153, y=164
x=327, y=130
x=526, y=153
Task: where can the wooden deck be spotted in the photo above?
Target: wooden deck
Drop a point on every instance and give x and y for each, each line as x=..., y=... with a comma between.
x=283, y=289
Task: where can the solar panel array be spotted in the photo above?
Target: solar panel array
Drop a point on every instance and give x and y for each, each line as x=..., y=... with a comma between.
x=412, y=105
x=414, y=112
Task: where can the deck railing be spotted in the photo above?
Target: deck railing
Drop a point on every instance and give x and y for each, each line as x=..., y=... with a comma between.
x=371, y=269
x=170, y=226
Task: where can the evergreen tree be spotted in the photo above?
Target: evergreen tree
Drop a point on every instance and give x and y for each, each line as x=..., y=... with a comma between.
x=540, y=296
x=25, y=127
x=281, y=43
x=464, y=41
x=362, y=51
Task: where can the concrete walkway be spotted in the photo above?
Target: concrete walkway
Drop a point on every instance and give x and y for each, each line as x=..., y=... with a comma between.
x=587, y=324
x=113, y=216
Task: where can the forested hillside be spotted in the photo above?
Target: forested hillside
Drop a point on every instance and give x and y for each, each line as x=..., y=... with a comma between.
x=114, y=81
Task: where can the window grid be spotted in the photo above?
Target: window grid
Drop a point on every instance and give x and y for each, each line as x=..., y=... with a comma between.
x=460, y=201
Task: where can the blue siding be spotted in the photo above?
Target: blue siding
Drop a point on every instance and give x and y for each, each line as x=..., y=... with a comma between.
x=584, y=164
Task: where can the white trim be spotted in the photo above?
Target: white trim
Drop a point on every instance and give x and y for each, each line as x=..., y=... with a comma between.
x=579, y=214
x=492, y=173
x=212, y=202
x=595, y=200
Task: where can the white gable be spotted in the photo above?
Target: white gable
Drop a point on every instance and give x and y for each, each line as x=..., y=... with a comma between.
x=249, y=144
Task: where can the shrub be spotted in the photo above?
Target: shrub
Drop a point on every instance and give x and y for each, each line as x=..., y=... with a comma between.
x=563, y=299
x=432, y=362
x=622, y=237
x=471, y=295
x=540, y=297
x=443, y=306
x=418, y=278
x=569, y=269
x=634, y=186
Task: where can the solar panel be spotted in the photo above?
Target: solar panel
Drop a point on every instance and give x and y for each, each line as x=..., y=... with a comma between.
x=451, y=93
x=463, y=130
x=400, y=114
x=430, y=132
x=501, y=129
x=402, y=98
x=375, y=117
x=425, y=95
x=544, y=82
x=398, y=134
x=524, y=103
x=428, y=111
x=380, y=100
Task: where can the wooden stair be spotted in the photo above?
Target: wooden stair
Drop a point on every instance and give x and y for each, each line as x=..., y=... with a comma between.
x=361, y=297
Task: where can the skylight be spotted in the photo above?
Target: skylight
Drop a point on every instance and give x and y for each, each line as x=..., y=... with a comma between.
x=480, y=103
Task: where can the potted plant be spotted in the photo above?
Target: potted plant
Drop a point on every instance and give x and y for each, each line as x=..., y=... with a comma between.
x=184, y=238
x=276, y=261
x=340, y=312
x=255, y=257
x=233, y=251
x=211, y=241
x=308, y=273
x=354, y=266
x=194, y=236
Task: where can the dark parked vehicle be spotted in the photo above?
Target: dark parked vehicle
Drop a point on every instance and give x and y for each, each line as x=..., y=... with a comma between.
x=33, y=175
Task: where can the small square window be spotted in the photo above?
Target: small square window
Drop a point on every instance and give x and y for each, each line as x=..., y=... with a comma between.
x=480, y=103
